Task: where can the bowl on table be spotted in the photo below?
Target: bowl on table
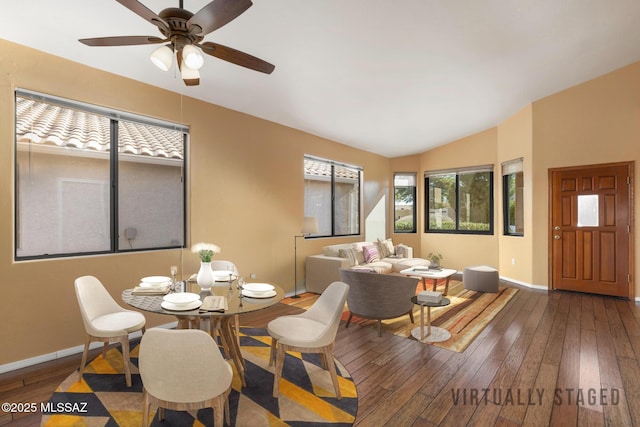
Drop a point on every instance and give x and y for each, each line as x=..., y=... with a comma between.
x=258, y=290
x=181, y=301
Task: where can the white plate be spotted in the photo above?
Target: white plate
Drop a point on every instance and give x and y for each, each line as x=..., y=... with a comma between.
x=181, y=298
x=155, y=280
x=223, y=275
x=258, y=287
x=182, y=307
x=153, y=285
x=267, y=294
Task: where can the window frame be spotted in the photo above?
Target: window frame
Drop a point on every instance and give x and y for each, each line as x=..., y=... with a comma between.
x=332, y=179
x=114, y=157
x=511, y=168
x=414, y=195
x=458, y=172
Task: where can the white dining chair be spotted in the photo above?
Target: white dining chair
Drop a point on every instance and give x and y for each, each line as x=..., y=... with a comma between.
x=106, y=321
x=183, y=370
x=313, y=331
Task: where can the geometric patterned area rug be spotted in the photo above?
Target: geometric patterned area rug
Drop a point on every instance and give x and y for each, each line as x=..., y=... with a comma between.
x=306, y=393
x=467, y=315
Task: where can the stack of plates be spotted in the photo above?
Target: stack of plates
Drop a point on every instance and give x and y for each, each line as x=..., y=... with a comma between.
x=223, y=275
x=155, y=281
x=181, y=301
x=258, y=290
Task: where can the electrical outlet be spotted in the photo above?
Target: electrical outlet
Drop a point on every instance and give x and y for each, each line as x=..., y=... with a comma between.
x=513, y=261
x=253, y=275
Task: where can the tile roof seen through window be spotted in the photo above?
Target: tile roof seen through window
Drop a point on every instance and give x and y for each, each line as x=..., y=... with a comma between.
x=48, y=124
x=320, y=168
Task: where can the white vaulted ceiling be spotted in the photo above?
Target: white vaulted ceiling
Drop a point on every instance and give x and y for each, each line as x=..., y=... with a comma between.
x=391, y=77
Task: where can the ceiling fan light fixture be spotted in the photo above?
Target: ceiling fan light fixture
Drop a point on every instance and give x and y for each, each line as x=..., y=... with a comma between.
x=188, y=73
x=162, y=57
x=192, y=57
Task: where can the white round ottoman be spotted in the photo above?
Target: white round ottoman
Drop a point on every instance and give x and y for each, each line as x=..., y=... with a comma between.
x=480, y=278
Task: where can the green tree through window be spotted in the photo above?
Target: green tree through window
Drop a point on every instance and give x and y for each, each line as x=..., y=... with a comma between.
x=404, y=206
x=460, y=202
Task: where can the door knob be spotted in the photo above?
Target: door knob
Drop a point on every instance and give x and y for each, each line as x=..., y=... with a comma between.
x=557, y=237
x=557, y=227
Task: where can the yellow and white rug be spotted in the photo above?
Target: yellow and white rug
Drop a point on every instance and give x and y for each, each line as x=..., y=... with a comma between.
x=306, y=393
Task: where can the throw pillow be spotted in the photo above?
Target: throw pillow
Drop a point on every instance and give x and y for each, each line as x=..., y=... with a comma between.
x=350, y=254
x=386, y=248
x=371, y=254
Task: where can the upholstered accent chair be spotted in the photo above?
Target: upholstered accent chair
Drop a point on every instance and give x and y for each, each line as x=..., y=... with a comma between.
x=104, y=320
x=379, y=296
x=184, y=370
x=313, y=331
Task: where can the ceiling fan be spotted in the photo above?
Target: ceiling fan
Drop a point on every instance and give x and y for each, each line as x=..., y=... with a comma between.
x=184, y=32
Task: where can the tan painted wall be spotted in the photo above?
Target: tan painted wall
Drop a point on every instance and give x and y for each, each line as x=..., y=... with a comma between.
x=246, y=195
x=595, y=122
x=461, y=250
x=515, y=258
x=592, y=123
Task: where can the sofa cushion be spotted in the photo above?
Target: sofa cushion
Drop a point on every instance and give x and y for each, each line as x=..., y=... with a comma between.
x=402, y=251
x=371, y=254
x=360, y=245
x=334, y=250
x=386, y=248
x=350, y=254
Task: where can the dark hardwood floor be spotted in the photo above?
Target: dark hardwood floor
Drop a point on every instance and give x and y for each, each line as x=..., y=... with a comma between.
x=547, y=359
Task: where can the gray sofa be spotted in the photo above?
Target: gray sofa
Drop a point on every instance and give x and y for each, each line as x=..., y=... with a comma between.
x=379, y=296
x=323, y=269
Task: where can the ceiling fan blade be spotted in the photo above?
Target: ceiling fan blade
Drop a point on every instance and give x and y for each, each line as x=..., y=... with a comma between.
x=216, y=14
x=236, y=57
x=122, y=40
x=143, y=11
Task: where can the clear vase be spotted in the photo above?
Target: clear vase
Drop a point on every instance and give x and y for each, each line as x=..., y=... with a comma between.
x=205, y=276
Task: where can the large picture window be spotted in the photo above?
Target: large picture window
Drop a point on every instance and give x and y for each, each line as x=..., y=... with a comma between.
x=460, y=201
x=332, y=196
x=513, y=187
x=404, y=206
x=91, y=180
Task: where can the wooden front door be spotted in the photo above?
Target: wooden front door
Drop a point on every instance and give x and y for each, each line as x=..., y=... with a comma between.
x=590, y=236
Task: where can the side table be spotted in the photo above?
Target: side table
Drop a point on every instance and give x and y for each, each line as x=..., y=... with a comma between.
x=434, y=334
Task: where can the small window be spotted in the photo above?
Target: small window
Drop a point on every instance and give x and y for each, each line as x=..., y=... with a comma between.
x=404, y=206
x=90, y=180
x=460, y=201
x=513, y=186
x=332, y=196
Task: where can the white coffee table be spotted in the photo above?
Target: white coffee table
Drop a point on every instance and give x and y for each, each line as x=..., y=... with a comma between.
x=435, y=275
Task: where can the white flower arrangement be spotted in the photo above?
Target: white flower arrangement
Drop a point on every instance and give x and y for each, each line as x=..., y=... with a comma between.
x=205, y=250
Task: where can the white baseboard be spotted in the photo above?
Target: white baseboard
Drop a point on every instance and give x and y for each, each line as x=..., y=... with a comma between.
x=65, y=352
x=527, y=285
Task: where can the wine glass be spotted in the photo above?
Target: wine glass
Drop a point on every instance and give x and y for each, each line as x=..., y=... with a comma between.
x=230, y=268
x=240, y=285
x=174, y=273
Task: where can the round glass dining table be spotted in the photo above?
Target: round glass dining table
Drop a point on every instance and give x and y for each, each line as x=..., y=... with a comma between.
x=236, y=305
